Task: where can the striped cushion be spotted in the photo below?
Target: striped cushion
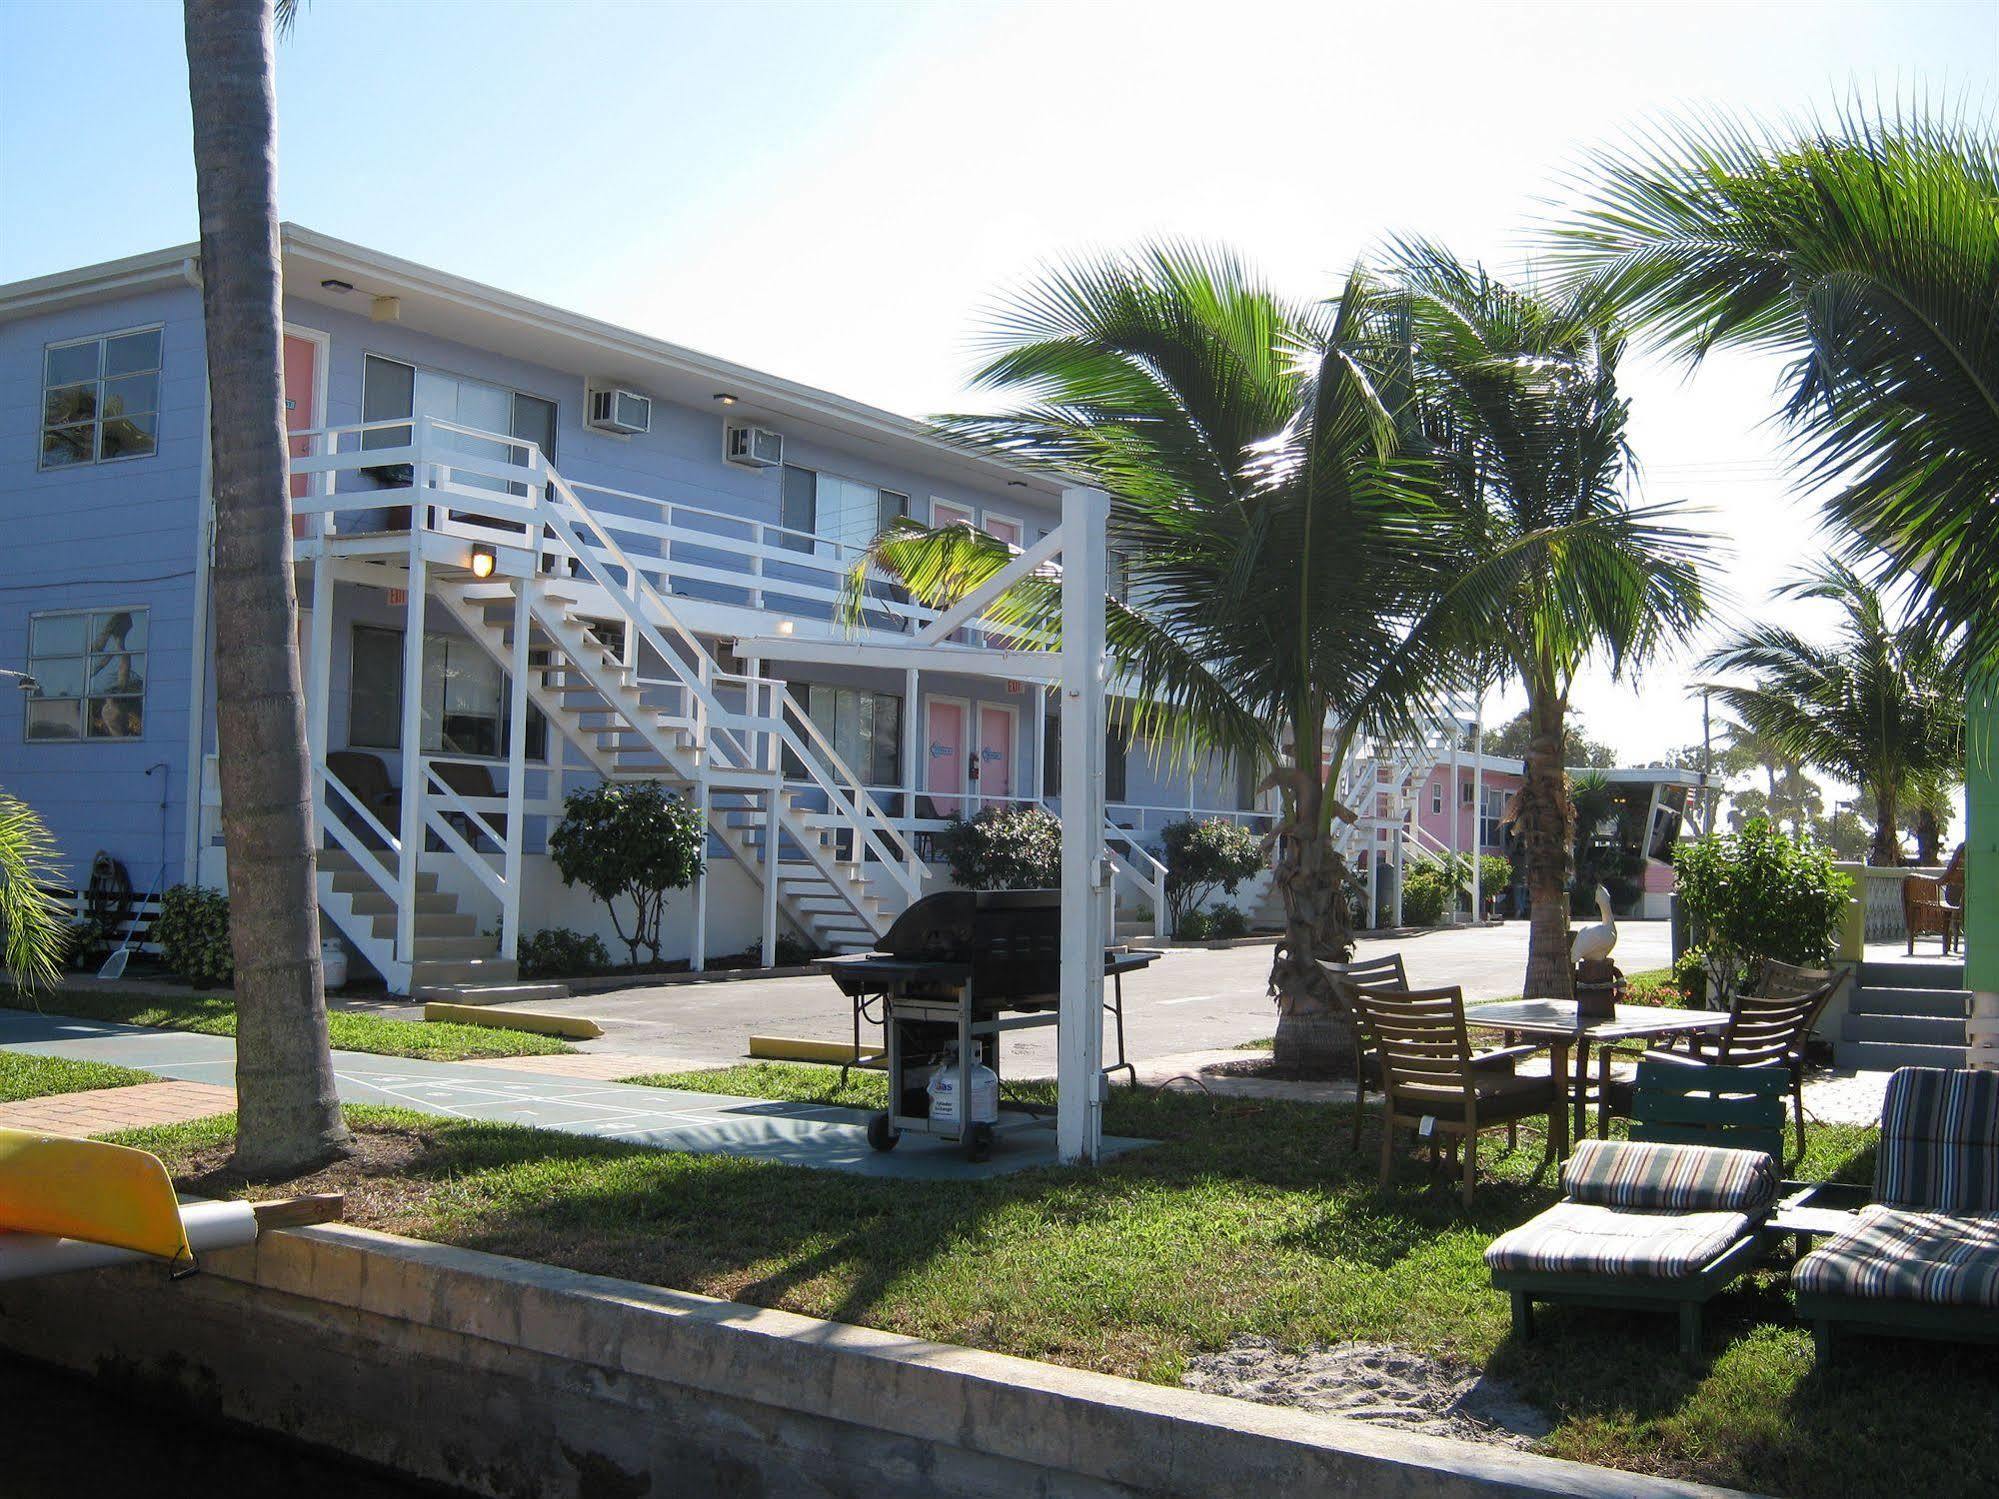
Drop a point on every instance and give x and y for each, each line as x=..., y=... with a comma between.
x=1892, y=1254
x=1940, y=1141
x=1670, y=1178
x=1586, y=1239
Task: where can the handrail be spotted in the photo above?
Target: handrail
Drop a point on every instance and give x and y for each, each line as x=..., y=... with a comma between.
x=789, y=706
x=363, y=856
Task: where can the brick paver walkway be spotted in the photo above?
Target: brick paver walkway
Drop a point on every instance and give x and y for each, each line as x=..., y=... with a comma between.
x=104, y=1110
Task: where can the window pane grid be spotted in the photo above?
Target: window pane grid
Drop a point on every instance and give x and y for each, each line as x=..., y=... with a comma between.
x=100, y=399
x=89, y=671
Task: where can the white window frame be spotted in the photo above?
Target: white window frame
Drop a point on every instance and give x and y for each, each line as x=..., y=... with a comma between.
x=42, y=426
x=417, y=367
x=84, y=736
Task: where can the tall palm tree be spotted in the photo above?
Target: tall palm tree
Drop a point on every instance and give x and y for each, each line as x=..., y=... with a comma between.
x=1523, y=410
x=1883, y=707
x=1284, y=553
x=32, y=932
x=288, y=1113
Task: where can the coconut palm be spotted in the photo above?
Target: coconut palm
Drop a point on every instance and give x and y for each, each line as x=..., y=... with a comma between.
x=1882, y=707
x=1523, y=410
x=288, y=1114
x=32, y=929
x=1283, y=552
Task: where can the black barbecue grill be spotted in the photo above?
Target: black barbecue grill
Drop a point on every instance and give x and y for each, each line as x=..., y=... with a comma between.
x=955, y=971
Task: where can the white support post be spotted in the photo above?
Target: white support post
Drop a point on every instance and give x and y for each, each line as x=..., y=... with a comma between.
x=411, y=833
x=697, y=957
x=912, y=765
x=772, y=828
x=1453, y=803
x=517, y=777
x=1080, y=1035
x=1478, y=808
x=319, y=662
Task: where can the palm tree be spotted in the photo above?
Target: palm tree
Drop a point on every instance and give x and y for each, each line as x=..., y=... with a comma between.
x=32, y=930
x=288, y=1113
x=1522, y=407
x=1866, y=249
x=1283, y=553
x=1882, y=708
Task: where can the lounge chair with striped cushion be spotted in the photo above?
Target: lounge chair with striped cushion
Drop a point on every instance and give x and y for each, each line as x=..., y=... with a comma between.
x=1642, y=1225
x=1922, y=1260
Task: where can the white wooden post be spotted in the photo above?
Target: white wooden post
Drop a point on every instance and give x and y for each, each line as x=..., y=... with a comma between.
x=412, y=826
x=1080, y=1035
x=319, y=667
x=697, y=957
x=772, y=827
x=1456, y=807
x=517, y=776
x=912, y=728
x=1478, y=808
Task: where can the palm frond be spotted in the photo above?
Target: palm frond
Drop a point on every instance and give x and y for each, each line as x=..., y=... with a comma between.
x=33, y=928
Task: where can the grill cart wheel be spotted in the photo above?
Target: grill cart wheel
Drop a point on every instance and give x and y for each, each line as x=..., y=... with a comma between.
x=880, y=1136
x=979, y=1145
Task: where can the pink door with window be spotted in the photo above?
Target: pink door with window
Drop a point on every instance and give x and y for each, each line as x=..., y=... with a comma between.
x=301, y=384
x=944, y=758
x=995, y=760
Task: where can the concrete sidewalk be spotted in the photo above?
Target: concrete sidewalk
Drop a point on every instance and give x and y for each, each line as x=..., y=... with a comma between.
x=703, y=1123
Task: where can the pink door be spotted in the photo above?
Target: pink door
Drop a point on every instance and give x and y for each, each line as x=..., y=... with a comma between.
x=944, y=513
x=301, y=383
x=1007, y=531
x=995, y=760
x=944, y=775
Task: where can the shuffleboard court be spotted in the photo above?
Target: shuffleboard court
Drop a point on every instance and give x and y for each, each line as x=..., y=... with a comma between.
x=829, y=1139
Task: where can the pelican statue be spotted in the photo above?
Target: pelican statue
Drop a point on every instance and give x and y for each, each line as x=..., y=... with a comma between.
x=1597, y=939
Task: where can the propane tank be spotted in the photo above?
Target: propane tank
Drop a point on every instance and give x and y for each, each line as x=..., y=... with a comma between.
x=945, y=1105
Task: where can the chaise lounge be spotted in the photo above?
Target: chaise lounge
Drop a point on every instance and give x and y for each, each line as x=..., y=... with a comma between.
x=1641, y=1225
x=1922, y=1260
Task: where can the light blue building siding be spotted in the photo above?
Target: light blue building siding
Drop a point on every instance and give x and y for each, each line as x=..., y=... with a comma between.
x=119, y=536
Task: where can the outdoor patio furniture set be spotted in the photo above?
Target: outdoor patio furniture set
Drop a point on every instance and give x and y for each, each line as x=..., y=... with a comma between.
x=1694, y=1198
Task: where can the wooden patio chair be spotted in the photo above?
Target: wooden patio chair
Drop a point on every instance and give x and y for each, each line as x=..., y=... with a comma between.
x=1433, y=1081
x=1766, y=1031
x=1935, y=907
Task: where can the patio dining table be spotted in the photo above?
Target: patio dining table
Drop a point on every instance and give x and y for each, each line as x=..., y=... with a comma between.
x=1556, y=1022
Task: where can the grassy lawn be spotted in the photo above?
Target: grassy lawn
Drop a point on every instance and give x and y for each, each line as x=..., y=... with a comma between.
x=23, y=1076
x=1244, y=1218
x=215, y=1015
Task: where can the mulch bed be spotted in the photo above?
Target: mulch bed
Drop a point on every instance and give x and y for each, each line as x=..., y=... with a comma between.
x=378, y=1177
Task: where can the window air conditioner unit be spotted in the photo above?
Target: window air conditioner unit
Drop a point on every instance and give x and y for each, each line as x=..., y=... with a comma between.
x=624, y=412
x=753, y=447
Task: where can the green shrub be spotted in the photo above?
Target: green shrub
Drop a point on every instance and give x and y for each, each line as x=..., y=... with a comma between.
x=1203, y=857
x=792, y=952
x=193, y=934
x=1225, y=923
x=1755, y=894
x=1426, y=888
x=83, y=941
x=629, y=842
x=1004, y=848
x=1495, y=877
x=1690, y=975
x=1195, y=926
x=558, y=952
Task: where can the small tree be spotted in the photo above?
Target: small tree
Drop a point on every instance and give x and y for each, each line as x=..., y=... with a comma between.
x=1004, y=848
x=1754, y=895
x=1203, y=857
x=631, y=842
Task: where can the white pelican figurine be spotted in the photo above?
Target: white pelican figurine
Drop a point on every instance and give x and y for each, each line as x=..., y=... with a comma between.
x=1597, y=939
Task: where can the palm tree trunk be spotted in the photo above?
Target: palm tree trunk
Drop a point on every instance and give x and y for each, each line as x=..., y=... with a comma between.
x=1887, y=850
x=1314, y=1036
x=1546, y=828
x=288, y=1113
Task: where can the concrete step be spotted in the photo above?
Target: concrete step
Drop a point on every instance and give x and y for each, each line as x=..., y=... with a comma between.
x=1922, y=1030
x=430, y=924
x=524, y=992
x=1911, y=975
x=353, y=882
x=373, y=902
x=1952, y=1003
x=441, y=972
x=455, y=947
x=1886, y=1056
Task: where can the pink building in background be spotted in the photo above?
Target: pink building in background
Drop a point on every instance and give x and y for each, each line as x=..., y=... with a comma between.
x=1654, y=803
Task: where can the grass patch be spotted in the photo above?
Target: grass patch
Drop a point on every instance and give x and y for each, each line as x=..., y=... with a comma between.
x=25, y=1076
x=215, y=1015
x=1244, y=1218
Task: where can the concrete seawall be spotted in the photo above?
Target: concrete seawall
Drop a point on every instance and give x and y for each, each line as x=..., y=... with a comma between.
x=514, y=1379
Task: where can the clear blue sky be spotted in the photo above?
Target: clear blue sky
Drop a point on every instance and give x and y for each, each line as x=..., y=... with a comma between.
x=833, y=191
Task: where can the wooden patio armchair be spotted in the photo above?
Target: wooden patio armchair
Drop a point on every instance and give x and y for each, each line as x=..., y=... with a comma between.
x=1436, y=1085
x=1935, y=907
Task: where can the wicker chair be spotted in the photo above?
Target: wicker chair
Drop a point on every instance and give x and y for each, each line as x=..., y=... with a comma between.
x=1434, y=1081
x=1935, y=908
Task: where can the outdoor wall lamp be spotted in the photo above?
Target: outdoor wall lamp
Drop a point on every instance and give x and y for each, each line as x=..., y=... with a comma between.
x=482, y=560
x=785, y=627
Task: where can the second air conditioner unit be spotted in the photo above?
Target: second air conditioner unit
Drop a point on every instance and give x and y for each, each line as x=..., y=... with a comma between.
x=753, y=447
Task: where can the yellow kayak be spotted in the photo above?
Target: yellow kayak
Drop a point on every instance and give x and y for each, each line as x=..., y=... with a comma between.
x=88, y=1190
